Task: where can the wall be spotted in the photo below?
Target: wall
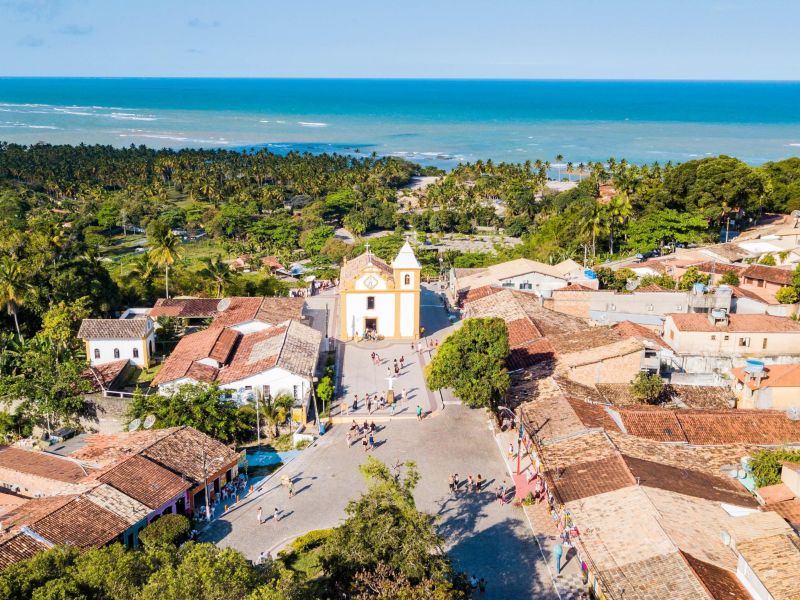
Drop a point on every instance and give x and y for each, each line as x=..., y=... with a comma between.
x=618, y=369
x=791, y=477
x=748, y=306
x=33, y=486
x=538, y=281
x=125, y=347
x=409, y=314
x=104, y=415
x=354, y=311
x=570, y=303
x=715, y=343
x=280, y=381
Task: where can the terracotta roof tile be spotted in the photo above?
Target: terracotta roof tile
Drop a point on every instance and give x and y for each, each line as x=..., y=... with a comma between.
x=112, y=329
x=640, y=332
x=587, y=339
x=236, y=310
x=737, y=323
x=145, y=481
x=718, y=268
x=222, y=348
x=17, y=547
x=659, y=425
x=280, y=310
x=80, y=523
x=182, y=453
x=190, y=348
x=652, y=288
x=122, y=505
x=774, y=376
x=185, y=308
x=590, y=478
x=574, y=450
x=102, y=377
x=774, y=275
x=720, y=583
x=354, y=266
x=771, y=494
x=776, y=562
x=688, y=482
x=42, y=464
x=663, y=576
x=788, y=510
x=593, y=415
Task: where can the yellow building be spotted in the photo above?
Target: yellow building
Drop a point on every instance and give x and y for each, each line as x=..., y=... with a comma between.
x=380, y=299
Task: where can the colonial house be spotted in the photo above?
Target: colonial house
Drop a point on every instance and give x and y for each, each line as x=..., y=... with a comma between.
x=520, y=274
x=109, y=340
x=773, y=386
x=718, y=341
x=380, y=299
x=263, y=359
x=231, y=311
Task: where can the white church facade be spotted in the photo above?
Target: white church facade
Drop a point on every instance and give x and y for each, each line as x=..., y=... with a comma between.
x=380, y=299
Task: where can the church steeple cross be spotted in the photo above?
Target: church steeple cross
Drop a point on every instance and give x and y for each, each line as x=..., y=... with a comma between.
x=369, y=256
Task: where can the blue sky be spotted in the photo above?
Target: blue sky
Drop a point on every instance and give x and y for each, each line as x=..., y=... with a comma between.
x=637, y=39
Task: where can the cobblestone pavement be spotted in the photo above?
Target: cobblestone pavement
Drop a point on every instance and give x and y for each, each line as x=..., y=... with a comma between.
x=482, y=536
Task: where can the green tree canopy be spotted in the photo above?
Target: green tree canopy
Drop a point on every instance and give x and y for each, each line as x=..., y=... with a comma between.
x=663, y=226
x=471, y=360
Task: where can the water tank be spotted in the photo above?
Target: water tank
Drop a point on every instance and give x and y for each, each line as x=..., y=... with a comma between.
x=753, y=366
x=589, y=274
x=699, y=288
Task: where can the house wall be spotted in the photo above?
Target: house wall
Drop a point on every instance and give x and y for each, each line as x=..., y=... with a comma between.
x=355, y=312
x=280, y=381
x=104, y=415
x=779, y=398
x=536, y=281
x=617, y=369
x=791, y=477
x=33, y=486
x=570, y=303
x=748, y=306
x=409, y=314
x=731, y=343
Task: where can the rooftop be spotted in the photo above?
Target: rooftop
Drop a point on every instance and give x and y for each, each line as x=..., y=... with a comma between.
x=773, y=376
x=185, y=308
x=405, y=259
x=351, y=269
x=145, y=481
x=777, y=275
x=737, y=323
x=42, y=464
x=776, y=562
x=114, y=329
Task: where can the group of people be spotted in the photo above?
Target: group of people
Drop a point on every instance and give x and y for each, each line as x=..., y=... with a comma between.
x=276, y=515
x=367, y=432
x=228, y=493
x=477, y=584
x=473, y=484
x=373, y=402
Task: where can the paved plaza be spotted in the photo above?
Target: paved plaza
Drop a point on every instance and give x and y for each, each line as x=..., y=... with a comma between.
x=482, y=537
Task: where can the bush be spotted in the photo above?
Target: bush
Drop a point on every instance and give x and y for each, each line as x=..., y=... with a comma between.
x=729, y=278
x=312, y=539
x=647, y=387
x=168, y=530
x=766, y=464
x=787, y=295
x=768, y=260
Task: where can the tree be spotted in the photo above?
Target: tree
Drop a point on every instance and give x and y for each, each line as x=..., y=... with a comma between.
x=275, y=411
x=60, y=323
x=595, y=224
x=313, y=240
x=219, y=273
x=766, y=464
x=201, y=406
x=768, y=260
x=667, y=225
x=165, y=248
x=471, y=360
x=729, y=278
x=647, y=387
x=325, y=391
x=691, y=277
x=383, y=526
x=167, y=530
x=787, y=295
x=387, y=584
x=12, y=288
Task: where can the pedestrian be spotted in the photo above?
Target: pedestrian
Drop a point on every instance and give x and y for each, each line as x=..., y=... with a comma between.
x=388, y=371
x=382, y=402
x=558, y=551
x=261, y=558
x=404, y=397
x=355, y=403
x=276, y=514
x=450, y=484
x=412, y=346
x=419, y=413
x=470, y=482
x=391, y=409
x=419, y=347
x=396, y=369
x=349, y=439
x=402, y=360
x=473, y=582
x=478, y=482
x=482, y=585
x=455, y=481
x=369, y=404
x=364, y=443
x=371, y=442
x=500, y=498
x=258, y=514
x=291, y=488
x=510, y=451
x=395, y=363
x=372, y=356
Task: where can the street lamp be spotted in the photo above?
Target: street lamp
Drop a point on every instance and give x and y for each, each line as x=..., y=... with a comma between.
x=205, y=482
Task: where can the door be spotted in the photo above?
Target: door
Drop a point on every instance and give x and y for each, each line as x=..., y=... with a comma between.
x=371, y=324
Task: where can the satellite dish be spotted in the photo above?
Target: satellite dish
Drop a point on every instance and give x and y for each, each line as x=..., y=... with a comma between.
x=223, y=305
x=739, y=387
x=149, y=421
x=134, y=425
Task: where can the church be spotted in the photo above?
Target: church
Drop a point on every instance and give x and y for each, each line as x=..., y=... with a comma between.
x=380, y=299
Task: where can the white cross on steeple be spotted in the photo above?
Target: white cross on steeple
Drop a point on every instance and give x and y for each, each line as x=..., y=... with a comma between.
x=369, y=256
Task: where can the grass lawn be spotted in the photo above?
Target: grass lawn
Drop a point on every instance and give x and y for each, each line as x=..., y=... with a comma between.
x=302, y=557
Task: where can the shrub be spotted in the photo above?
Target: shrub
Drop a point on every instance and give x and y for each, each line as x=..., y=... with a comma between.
x=312, y=539
x=787, y=295
x=766, y=464
x=647, y=387
x=729, y=278
x=168, y=530
x=768, y=260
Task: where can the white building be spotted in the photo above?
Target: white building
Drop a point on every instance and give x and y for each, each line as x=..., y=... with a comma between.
x=264, y=360
x=380, y=298
x=109, y=340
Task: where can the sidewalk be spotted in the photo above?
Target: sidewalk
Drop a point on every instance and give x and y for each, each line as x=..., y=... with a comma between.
x=569, y=583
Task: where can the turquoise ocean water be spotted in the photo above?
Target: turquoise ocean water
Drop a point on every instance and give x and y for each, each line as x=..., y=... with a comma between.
x=437, y=122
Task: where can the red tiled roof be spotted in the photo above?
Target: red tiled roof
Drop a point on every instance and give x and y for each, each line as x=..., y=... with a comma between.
x=145, y=481
x=718, y=268
x=236, y=310
x=41, y=464
x=182, y=453
x=789, y=510
x=184, y=308
x=280, y=310
x=527, y=355
x=720, y=583
x=640, y=332
x=221, y=350
x=272, y=262
x=740, y=292
x=17, y=547
x=191, y=348
x=102, y=377
x=659, y=425
x=591, y=478
x=574, y=287
x=80, y=523
x=770, y=274
x=256, y=353
x=479, y=292
x=592, y=415
x=736, y=323
x=774, y=376
x=653, y=288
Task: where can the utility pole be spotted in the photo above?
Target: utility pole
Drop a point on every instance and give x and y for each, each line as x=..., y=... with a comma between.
x=205, y=483
x=258, y=421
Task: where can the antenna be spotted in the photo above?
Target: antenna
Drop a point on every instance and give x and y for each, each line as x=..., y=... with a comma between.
x=149, y=421
x=134, y=425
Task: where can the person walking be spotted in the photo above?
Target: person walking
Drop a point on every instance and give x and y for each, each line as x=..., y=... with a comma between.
x=404, y=397
x=258, y=515
x=396, y=370
x=369, y=404
x=510, y=451
x=482, y=585
x=470, y=483
x=371, y=442
x=478, y=482
x=402, y=360
x=455, y=481
x=276, y=514
x=349, y=439
x=450, y=484
x=391, y=409
x=364, y=443
x=558, y=552
x=291, y=488
x=419, y=413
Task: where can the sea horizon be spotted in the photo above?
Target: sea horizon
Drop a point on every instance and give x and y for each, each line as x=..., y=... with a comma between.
x=439, y=122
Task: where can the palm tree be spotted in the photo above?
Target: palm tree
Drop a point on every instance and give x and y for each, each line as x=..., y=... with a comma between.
x=595, y=224
x=12, y=287
x=559, y=159
x=165, y=250
x=219, y=272
x=619, y=209
x=275, y=412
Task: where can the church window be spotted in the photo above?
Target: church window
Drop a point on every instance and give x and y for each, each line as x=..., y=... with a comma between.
x=116, y=352
x=370, y=302
x=407, y=279
x=135, y=353
x=97, y=352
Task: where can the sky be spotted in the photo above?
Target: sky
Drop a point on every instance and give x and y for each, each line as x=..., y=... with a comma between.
x=525, y=39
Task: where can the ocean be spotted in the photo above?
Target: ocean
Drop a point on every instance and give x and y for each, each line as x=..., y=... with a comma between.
x=433, y=122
